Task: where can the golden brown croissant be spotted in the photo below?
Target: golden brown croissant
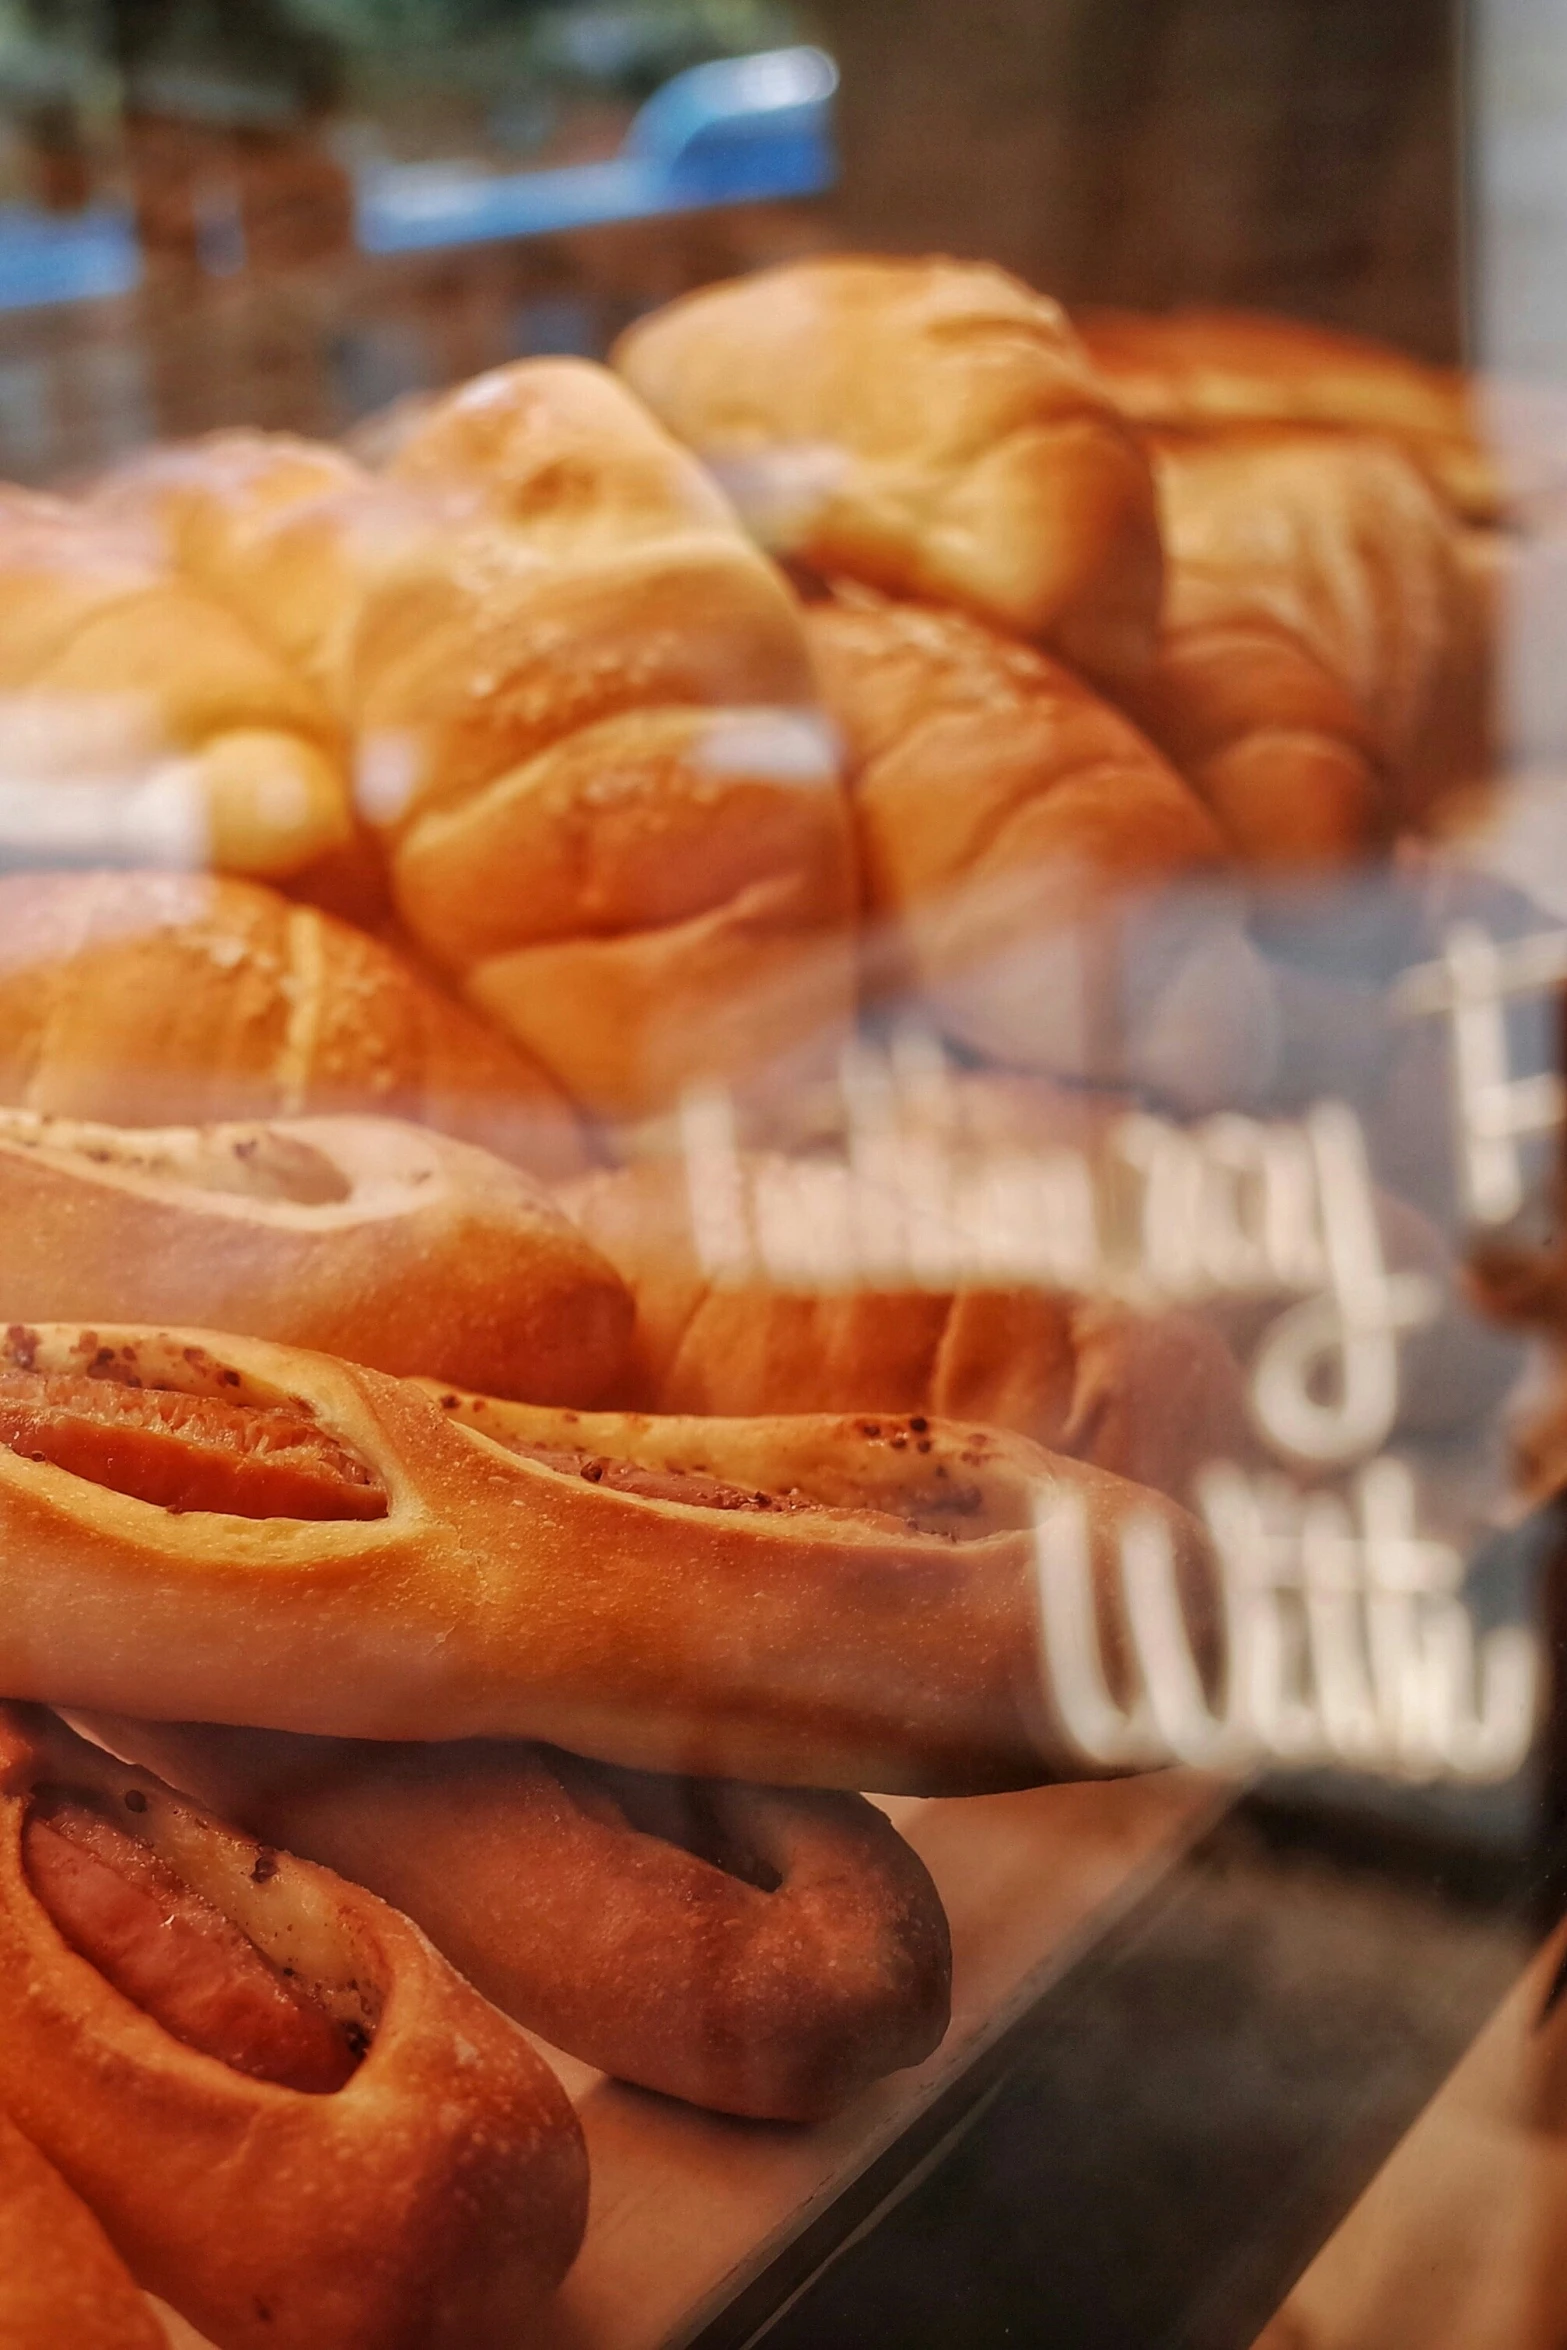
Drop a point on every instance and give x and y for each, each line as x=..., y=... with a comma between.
x=203, y=1528
x=928, y=427
x=357, y=1236
x=296, y=2122
x=1315, y=615
x=760, y=1950
x=1007, y=814
x=1151, y=1397
x=62, y=2284
x=1209, y=370
x=284, y=529
x=144, y=720
x=148, y=999
x=583, y=712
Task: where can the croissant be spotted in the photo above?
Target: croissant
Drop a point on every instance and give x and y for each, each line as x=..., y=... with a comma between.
x=1210, y=370
x=1007, y=814
x=357, y=1236
x=147, y=999
x=1315, y=627
x=583, y=713
x=286, y=530
x=1151, y=1397
x=61, y=2281
x=144, y=719
x=297, y=2124
x=932, y=428
x=759, y=1950
x=196, y=1528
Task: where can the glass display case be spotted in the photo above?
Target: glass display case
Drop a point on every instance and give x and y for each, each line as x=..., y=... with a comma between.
x=783, y=926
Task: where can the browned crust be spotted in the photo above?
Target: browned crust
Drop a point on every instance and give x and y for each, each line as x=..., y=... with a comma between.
x=1218, y=369
x=1319, y=678
x=970, y=753
x=568, y=1896
x=426, y=2202
x=501, y=1597
x=61, y=2280
x=159, y=998
x=433, y=1256
x=929, y=427
x=1151, y=1397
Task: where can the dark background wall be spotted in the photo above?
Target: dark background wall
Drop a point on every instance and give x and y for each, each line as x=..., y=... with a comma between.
x=1303, y=154
x=1300, y=154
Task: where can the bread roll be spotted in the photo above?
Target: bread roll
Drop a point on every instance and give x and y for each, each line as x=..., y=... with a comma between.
x=164, y=1977
x=1007, y=814
x=583, y=712
x=1209, y=370
x=1316, y=612
x=927, y=427
x=286, y=530
x=763, y=1951
x=202, y=1528
x=62, y=2284
x=143, y=715
x=357, y=1236
x=1151, y=1397
x=148, y=999
x=610, y=702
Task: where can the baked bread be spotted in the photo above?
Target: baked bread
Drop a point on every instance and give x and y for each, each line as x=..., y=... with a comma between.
x=1210, y=370
x=145, y=721
x=759, y=1950
x=202, y=1528
x=287, y=531
x=1151, y=1397
x=583, y=715
x=1317, y=629
x=932, y=428
x=149, y=999
x=61, y=2280
x=1009, y=817
x=296, y=2123
x=357, y=1236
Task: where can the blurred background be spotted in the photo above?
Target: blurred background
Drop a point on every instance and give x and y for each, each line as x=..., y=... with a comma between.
x=293, y=211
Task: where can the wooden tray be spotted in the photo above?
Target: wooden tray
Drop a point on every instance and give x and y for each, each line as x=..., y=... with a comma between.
x=694, y=2214
x=690, y=2209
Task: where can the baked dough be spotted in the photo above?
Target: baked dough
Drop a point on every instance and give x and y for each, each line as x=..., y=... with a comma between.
x=1212, y=370
x=357, y=1236
x=151, y=999
x=821, y=1602
x=928, y=427
x=426, y=2202
x=761, y=1950
x=61, y=2281
x=144, y=719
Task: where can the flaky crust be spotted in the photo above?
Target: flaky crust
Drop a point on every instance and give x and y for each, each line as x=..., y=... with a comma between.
x=1216, y=369
x=286, y=530
x=147, y=999
x=970, y=752
x=776, y=1980
x=61, y=2281
x=357, y=1236
x=927, y=427
x=500, y=1595
x=427, y=2202
x=1316, y=631
x=1150, y=1397
x=127, y=681
x=612, y=703
x=999, y=802
x=583, y=712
